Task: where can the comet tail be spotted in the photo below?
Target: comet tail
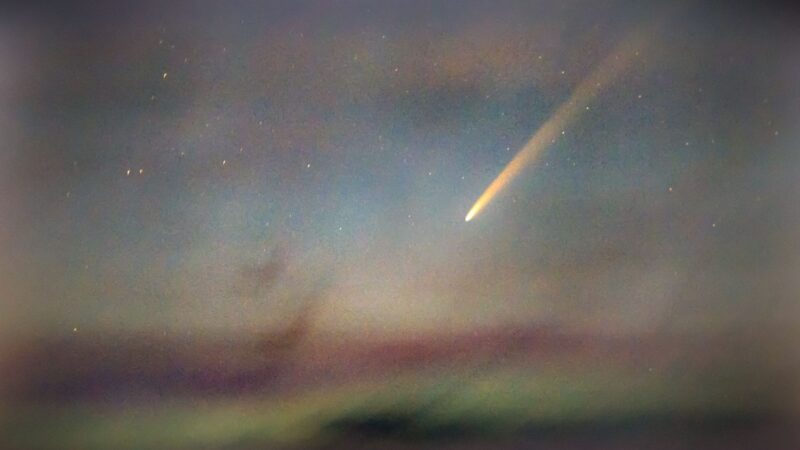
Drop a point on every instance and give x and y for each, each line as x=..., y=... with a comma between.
x=608, y=70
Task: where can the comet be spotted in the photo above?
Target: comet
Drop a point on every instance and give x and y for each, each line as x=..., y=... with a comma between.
x=607, y=71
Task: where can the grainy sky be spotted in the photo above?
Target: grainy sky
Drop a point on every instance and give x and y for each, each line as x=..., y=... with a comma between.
x=215, y=165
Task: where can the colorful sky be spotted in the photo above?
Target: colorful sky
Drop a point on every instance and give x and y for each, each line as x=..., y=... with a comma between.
x=213, y=166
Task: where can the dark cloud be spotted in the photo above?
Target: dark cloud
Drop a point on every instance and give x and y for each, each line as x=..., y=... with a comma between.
x=264, y=275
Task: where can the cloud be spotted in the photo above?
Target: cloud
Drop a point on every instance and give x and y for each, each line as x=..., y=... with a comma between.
x=265, y=275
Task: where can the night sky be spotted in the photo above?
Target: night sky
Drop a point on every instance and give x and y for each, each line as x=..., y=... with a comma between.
x=217, y=166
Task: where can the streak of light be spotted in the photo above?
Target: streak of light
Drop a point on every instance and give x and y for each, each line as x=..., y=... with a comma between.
x=608, y=70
